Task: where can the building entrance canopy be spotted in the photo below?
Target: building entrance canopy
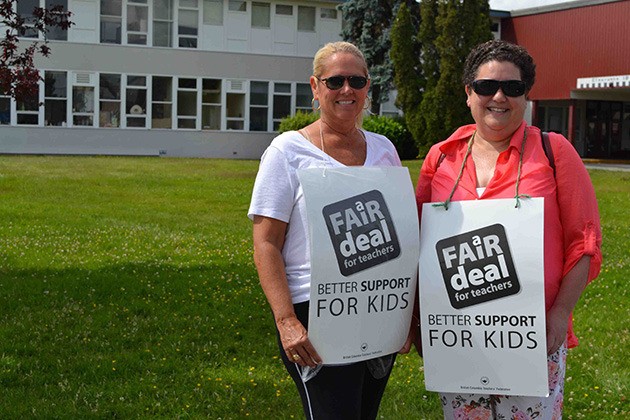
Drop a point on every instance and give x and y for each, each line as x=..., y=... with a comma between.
x=603, y=88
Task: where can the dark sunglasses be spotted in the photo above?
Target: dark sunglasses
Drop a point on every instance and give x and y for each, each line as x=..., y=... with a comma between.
x=336, y=82
x=488, y=87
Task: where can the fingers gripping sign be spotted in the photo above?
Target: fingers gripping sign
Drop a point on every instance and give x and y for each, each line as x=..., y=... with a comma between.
x=296, y=344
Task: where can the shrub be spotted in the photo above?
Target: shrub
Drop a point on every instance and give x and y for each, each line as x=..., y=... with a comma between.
x=394, y=129
x=298, y=121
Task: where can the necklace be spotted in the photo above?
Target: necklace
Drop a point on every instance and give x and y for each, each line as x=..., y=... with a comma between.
x=517, y=196
x=321, y=137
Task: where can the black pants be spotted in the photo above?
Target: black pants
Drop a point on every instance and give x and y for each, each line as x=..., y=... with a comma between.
x=337, y=392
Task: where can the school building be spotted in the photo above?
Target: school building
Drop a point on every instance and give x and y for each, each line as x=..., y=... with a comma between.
x=582, y=89
x=213, y=78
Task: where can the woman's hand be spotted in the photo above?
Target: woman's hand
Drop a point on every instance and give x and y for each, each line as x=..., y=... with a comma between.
x=297, y=346
x=571, y=288
x=557, y=327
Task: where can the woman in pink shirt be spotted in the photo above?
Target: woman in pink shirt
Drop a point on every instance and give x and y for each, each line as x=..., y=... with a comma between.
x=499, y=156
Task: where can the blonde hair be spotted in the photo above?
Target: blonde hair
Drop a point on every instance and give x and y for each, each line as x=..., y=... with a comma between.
x=328, y=50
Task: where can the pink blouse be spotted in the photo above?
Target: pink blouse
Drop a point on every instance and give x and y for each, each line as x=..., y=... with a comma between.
x=572, y=227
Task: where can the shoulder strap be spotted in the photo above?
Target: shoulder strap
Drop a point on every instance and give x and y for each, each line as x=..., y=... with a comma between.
x=548, y=151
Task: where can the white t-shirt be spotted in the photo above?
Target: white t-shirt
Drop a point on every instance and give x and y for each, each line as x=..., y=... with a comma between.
x=278, y=194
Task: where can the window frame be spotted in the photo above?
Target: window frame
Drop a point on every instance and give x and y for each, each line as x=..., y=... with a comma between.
x=182, y=118
x=54, y=100
x=102, y=100
x=194, y=39
x=258, y=5
x=127, y=115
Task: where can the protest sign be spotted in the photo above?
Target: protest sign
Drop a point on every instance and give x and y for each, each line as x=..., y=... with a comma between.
x=482, y=304
x=363, y=227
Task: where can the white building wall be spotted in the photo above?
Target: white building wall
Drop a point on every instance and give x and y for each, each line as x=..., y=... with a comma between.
x=166, y=143
x=234, y=53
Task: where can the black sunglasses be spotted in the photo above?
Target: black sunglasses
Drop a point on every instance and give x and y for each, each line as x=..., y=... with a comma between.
x=336, y=82
x=488, y=87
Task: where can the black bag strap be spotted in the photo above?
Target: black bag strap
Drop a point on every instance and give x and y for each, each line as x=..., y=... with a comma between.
x=548, y=151
x=440, y=159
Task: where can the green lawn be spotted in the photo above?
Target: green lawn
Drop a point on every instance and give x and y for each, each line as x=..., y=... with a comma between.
x=128, y=290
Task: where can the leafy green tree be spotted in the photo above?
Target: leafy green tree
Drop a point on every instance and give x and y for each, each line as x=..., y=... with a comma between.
x=427, y=34
x=408, y=74
x=447, y=32
x=461, y=24
x=367, y=25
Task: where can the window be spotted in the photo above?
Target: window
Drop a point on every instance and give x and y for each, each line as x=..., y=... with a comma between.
x=261, y=15
x=28, y=110
x=82, y=105
x=237, y=6
x=162, y=23
x=162, y=97
x=111, y=21
x=109, y=104
x=235, y=109
x=211, y=104
x=281, y=103
x=25, y=10
x=326, y=13
x=213, y=12
x=283, y=9
x=136, y=101
x=5, y=110
x=187, y=103
x=258, y=106
x=303, y=97
x=55, y=98
x=306, y=19
x=56, y=33
x=137, y=22
x=188, y=23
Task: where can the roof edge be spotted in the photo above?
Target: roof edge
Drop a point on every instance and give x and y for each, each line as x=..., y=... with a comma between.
x=560, y=6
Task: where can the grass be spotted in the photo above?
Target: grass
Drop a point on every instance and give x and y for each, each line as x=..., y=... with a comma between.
x=128, y=291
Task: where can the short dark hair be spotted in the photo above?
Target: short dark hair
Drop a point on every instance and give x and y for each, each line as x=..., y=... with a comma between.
x=502, y=51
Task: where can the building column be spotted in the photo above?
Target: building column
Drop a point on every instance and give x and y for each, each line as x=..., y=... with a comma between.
x=535, y=121
x=571, y=122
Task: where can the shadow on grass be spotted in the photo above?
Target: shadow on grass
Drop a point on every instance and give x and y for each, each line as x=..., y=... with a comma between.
x=158, y=338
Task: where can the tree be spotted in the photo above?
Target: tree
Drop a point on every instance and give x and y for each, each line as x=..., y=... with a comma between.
x=367, y=25
x=447, y=32
x=408, y=74
x=19, y=77
x=462, y=24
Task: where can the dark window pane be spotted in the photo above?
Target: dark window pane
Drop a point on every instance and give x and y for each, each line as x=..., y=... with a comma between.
x=258, y=119
x=110, y=30
x=55, y=84
x=162, y=87
x=5, y=110
x=55, y=112
x=259, y=93
x=110, y=86
x=281, y=106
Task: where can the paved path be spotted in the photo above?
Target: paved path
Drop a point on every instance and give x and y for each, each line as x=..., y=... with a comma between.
x=608, y=166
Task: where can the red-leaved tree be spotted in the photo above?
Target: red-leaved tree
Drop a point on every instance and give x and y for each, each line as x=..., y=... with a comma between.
x=18, y=75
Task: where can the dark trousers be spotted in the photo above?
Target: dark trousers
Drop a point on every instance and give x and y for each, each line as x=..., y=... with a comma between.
x=337, y=392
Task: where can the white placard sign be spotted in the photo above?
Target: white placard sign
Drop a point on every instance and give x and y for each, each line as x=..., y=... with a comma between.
x=482, y=303
x=363, y=226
